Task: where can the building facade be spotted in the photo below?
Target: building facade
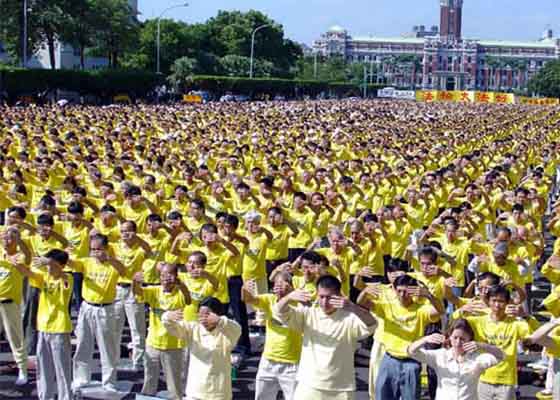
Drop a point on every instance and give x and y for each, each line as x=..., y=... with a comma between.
x=442, y=59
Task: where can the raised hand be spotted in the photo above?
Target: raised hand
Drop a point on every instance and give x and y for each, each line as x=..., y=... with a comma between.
x=176, y=315
x=435, y=338
x=470, y=347
x=300, y=296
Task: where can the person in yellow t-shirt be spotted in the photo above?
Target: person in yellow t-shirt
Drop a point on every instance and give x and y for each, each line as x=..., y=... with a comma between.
x=404, y=321
x=12, y=272
x=54, y=351
x=44, y=239
x=201, y=284
x=76, y=230
x=237, y=308
x=304, y=218
x=282, y=229
x=502, y=328
x=131, y=252
x=548, y=336
x=282, y=348
x=162, y=347
x=96, y=319
x=211, y=340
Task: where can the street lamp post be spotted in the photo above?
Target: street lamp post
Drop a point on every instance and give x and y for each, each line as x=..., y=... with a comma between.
x=24, y=59
x=159, y=30
x=258, y=28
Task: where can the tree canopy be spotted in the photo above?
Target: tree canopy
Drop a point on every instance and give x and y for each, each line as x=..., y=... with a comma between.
x=547, y=81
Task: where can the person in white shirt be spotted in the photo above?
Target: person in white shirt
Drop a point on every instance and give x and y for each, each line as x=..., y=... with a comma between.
x=210, y=342
x=330, y=335
x=459, y=363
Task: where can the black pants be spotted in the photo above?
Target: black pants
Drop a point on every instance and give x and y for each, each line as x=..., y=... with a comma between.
x=30, y=319
x=432, y=376
x=238, y=312
x=77, y=290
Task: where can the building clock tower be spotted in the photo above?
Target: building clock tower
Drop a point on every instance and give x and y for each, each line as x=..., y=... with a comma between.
x=451, y=15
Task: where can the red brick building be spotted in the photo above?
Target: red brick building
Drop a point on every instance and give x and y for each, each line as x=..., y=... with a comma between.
x=444, y=59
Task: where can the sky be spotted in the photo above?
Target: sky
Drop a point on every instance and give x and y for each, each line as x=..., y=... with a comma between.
x=305, y=20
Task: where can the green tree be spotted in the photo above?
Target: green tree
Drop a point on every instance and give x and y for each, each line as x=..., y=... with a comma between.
x=182, y=72
x=11, y=29
x=546, y=82
x=230, y=33
x=234, y=65
x=120, y=29
x=82, y=24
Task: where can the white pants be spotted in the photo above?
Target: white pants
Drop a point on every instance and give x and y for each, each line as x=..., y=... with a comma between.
x=99, y=324
x=171, y=361
x=11, y=322
x=308, y=393
x=126, y=306
x=376, y=356
x=54, y=366
x=275, y=376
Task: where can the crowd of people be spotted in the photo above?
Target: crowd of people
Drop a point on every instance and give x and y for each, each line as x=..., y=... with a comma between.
x=415, y=230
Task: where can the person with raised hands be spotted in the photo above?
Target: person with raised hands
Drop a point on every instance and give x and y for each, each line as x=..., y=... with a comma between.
x=330, y=331
x=54, y=351
x=211, y=340
x=404, y=321
x=162, y=348
x=282, y=349
x=459, y=363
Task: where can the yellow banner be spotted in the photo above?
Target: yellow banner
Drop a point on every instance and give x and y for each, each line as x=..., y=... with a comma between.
x=192, y=98
x=468, y=96
x=464, y=96
x=426, y=96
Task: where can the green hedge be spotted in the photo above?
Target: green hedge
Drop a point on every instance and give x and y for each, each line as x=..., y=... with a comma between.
x=18, y=81
x=240, y=85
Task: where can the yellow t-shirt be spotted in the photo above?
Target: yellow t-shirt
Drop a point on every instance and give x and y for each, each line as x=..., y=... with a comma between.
x=254, y=260
x=505, y=335
x=159, y=302
x=160, y=245
x=278, y=247
x=401, y=325
x=217, y=260
x=11, y=281
x=131, y=257
x=304, y=221
x=53, y=315
x=100, y=280
x=199, y=288
x=282, y=343
x=78, y=237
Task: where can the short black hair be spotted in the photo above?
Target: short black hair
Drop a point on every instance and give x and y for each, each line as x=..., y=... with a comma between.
x=213, y=304
x=108, y=208
x=312, y=256
x=19, y=210
x=103, y=239
x=154, y=218
x=45, y=219
x=405, y=280
x=60, y=256
x=499, y=290
x=329, y=282
x=232, y=220
x=75, y=208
